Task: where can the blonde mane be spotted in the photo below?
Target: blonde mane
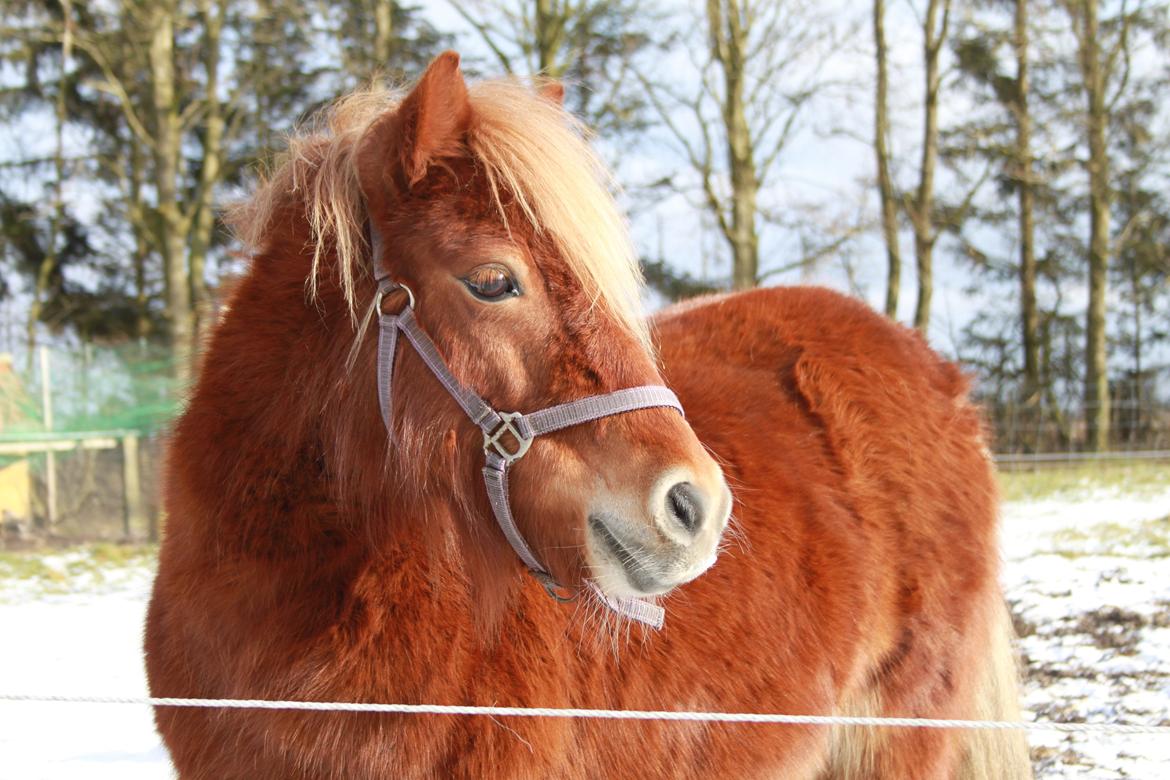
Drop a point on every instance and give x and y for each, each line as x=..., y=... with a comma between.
x=529, y=147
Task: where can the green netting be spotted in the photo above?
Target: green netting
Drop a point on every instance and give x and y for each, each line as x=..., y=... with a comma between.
x=91, y=389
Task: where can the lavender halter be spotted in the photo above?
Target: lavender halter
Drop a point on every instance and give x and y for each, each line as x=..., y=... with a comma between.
x=522, y=428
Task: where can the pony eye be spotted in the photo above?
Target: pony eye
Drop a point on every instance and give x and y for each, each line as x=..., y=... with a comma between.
x=491, y=283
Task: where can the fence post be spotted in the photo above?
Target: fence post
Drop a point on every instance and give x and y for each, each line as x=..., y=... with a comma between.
x=50, y=456
x=132, y=518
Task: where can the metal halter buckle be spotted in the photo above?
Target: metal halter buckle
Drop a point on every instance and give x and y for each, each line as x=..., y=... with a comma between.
x=554, y=588
x=492, y=441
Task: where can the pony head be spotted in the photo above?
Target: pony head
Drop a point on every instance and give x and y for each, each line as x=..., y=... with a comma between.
x=495, y=213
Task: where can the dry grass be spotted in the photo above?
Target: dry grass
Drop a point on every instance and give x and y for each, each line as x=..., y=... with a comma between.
x=60, y=570
x=1132, y=477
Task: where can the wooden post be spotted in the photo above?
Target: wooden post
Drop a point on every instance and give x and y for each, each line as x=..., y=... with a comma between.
x=132, y=518
x=50, y=457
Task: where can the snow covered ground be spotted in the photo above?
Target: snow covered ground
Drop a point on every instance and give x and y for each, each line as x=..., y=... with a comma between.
x=76, y=629
x=1088, y=579
x=1087, y=574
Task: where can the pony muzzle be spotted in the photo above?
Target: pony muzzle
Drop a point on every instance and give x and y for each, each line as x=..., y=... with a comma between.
x=673, y=540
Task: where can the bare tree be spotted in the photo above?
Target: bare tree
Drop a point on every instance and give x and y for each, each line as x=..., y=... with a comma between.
x=374, y=38
x=729, y=24
x=162, y=63
x=920, y=207
x=526, y=37
x=211, y=13
x=881, y=133
x=154, y=109
x=1025, y=184
x=1093, y=71
x=383, y=30
x=760, y=67
x=1101, y=60
x=591, y=45
x=167, y=126
x=49, y=263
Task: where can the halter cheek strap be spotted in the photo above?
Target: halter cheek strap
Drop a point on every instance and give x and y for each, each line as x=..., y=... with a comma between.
x=508, y=435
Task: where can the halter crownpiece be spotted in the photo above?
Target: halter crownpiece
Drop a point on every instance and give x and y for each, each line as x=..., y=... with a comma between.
x=507, y=436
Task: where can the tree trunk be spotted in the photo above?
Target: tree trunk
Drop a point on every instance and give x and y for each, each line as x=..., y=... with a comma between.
x=383, y=32
x=550, y=23
x=1029, y=318
x=168, y=168
x=56, y=222
x=139, y=230
x=203, y=229
x=934, y=35
x=729, y=33
x=1096, y=368
x=881, y=133
x=1138, y=396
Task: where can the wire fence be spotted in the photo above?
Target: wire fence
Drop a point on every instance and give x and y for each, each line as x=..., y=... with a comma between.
x=1048, y=431
x=87, y=388
x=689, y=716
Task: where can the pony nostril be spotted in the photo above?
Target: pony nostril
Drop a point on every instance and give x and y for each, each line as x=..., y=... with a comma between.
x=684, y=506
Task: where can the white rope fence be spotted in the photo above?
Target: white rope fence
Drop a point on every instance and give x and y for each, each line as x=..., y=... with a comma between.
x=567, y=712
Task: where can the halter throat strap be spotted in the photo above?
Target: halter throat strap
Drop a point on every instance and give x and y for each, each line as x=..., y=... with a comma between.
x=507, y=436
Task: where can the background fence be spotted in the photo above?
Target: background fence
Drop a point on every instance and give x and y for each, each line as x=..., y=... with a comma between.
x=1046, y=433
x=80, y=442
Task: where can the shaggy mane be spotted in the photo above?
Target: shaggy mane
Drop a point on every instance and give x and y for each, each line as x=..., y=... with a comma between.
x=529, y=148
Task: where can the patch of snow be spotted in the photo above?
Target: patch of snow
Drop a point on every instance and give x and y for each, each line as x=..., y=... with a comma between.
x=1091, y=600
x=83, y=644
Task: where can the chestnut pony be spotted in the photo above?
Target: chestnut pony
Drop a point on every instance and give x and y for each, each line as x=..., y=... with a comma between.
x=312, y=554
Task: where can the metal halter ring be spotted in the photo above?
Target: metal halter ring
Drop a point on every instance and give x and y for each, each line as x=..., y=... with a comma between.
x=492, y=441
x=382, y=293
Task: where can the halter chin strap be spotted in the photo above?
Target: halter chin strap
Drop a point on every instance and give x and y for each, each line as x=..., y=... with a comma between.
x=508, y=435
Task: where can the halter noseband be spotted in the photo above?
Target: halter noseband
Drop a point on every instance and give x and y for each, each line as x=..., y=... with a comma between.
x=499, y=454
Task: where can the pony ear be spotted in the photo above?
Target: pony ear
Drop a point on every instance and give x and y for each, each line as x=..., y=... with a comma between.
x=435, y=117
x=552, y=90
x=430, y=124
